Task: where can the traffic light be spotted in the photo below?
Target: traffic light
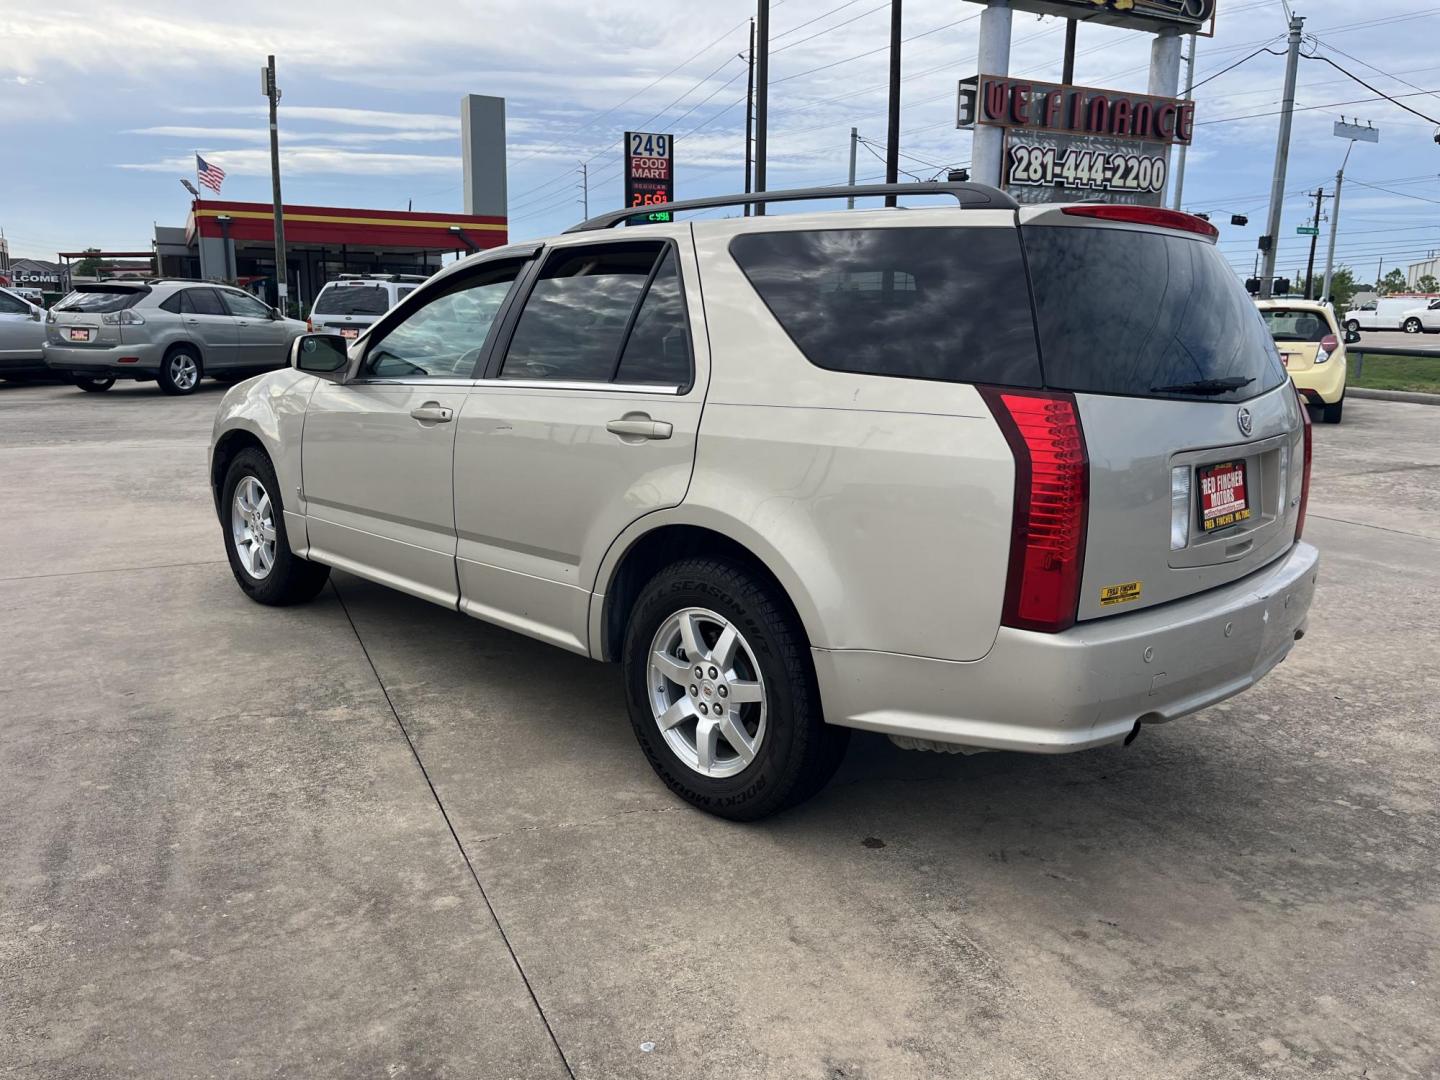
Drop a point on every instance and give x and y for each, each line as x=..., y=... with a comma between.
x=1281, y=287
x=1266, y=242
x=1252, y=286
x=1239, y=219
x=958, y=176
x=1203, y=217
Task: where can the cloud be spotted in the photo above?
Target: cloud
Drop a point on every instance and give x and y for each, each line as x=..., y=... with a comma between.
x=377, y=118
x=209, y=135
x=301, y=160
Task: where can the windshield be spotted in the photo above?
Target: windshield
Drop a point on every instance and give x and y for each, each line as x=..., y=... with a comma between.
x=1145, y=314
x=1291, y=324
x=352, y=300
x=99, y=301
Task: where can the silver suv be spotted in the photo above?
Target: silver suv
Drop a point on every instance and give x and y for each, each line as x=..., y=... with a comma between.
x=174, y=332
x=994, y=477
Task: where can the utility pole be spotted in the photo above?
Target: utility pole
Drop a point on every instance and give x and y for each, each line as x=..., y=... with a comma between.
x=585, y=188
x=750, y=116
x=1334, y=228
x=762, y=95
x=892, y=126
x=1314, y=237
x=1379, y=272
x=1189, y=90
x=854, y=142
x=1067, y=70
x=1270, y=242
x=1354, y=132
x=271, y=91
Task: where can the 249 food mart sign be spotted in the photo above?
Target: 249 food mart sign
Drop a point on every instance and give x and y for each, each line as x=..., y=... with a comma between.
x=649, y=174
x=1068, y=143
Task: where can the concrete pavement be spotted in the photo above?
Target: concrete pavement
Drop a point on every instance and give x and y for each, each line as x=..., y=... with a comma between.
x=220, y=855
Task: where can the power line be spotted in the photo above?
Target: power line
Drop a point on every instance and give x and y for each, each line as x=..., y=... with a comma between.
x=1373, y=89
x=1237, y=63
x=1372, y=67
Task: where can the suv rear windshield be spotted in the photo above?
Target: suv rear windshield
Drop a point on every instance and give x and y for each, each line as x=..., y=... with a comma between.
x=99, y=301
x=1145, y=315
x=919, y=303
x=352, y=300
x=1292, y=324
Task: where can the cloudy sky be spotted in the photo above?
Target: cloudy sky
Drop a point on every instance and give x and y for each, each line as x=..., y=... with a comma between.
x=102, y=105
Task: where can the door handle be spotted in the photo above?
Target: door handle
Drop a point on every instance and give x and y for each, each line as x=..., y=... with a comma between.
x=640, y=426
x=433, y=413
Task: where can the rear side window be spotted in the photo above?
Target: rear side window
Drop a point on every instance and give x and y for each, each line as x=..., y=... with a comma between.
x=99, y=301
x=929, y=303
x=1145, y=315
x=352, y=300
x=658, y=350
x=579, y=315
x=12, y=305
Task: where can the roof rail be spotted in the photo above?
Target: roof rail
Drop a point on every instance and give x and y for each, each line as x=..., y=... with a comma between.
x=965, y=193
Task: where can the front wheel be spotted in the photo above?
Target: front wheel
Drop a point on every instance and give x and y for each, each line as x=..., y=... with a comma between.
x=93, y=386
x=180, y=371
x=255, y=540
x=722, y=693
x=1413, y=326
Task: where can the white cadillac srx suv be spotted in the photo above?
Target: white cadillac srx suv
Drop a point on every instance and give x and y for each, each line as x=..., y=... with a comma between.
x=984, y=476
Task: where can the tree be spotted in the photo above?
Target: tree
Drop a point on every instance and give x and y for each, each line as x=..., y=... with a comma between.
x=1392, y=282
x=88, y=266
x=1427, y=283
x=1342, y=288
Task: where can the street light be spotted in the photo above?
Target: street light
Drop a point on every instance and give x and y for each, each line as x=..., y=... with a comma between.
x=190, y=187
x=1355, y=133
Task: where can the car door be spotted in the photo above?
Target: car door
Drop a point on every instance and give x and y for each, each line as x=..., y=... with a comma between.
x=377, y=452
x=22, y=335
x=261, y=339
x=584, y=424
x=207, y=323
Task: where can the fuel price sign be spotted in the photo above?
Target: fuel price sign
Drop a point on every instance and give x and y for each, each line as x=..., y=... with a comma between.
x=649, y=174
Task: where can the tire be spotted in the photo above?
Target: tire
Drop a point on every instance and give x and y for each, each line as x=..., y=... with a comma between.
x=1412, y=326
x=1331, y=413
x=93, y=386
x=1352, y=326
x=288, y=579
x=181, y=371
x=769, y=688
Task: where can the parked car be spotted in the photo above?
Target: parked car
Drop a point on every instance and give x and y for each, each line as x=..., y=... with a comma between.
x=1312, y=348
x=30, y=294
x=172, y=331
x=354, y=302
x=1386, y=313
x=1423, y=319
x=22, y=338
x=907, y=472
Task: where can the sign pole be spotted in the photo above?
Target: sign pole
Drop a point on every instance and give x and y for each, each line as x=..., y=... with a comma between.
x=1184, y=147
x=1353, y=132
x=762, y=95
x=854, y=141
x=282, y=288
x=1334, y=228
x=988, y=143
x=1270, y=242
x=750, y=117
x=892, y=125
x=1068, y=69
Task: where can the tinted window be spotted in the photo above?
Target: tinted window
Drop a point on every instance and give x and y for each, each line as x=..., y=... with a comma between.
x=658, y=349
x=443, y=339
x=12, y=305
x=352, y=300
x=917, y=303
x=101, y=300
x=174, y=303
x=244, y=305
x=1147, y=315
x=404, y=291
x=201, y=302
x=1289, y=324
x=576, y=316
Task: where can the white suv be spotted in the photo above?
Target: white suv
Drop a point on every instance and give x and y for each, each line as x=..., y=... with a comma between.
x=353, y=303
x=903, y=470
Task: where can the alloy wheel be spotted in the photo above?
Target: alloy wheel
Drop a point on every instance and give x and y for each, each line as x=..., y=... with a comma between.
x=184, y=372
x=706, y=692
x=252, y=527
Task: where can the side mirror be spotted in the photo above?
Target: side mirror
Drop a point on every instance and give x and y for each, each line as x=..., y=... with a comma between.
x=319, y=354
x=1352, y=336
x=275, y=314
x=37, y=315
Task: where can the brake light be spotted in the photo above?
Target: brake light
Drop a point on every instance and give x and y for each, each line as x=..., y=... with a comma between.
x=1144, y=215
x=1304, y=471
x=1052, y=496
x=1328, y=345
x=309, y=326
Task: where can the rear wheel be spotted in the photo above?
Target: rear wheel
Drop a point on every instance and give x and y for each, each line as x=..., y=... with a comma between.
x=722, y=694
x=93, y=386
x=1331, y=413
x=255, y=540
x=180, y=371
x=1413, y=326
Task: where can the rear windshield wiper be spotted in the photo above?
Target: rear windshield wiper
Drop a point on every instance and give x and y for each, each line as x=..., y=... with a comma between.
x=1205, y=387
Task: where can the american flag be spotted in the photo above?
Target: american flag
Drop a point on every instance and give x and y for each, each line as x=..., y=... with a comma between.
x=212, y=176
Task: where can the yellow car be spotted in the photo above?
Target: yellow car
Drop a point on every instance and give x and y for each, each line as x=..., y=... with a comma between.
x=1312, y=348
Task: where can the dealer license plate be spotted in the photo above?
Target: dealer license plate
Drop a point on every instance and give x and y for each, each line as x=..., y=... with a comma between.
x=1224, y=498
x=80, y=334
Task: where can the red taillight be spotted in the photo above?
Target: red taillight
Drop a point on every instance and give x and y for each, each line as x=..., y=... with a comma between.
x=1304, y=471
x=1144, y=215
x=1328, y=344
x=1052, y=495
x=310, y=326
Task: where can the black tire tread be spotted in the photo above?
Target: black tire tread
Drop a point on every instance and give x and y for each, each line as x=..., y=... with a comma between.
x=292, y=580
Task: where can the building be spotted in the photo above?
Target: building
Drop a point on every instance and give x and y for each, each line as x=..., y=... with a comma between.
x=49, y=277
x=1418, y=270
x=235, y=241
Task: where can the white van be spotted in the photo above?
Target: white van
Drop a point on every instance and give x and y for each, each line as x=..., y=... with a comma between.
x=1387, y=313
